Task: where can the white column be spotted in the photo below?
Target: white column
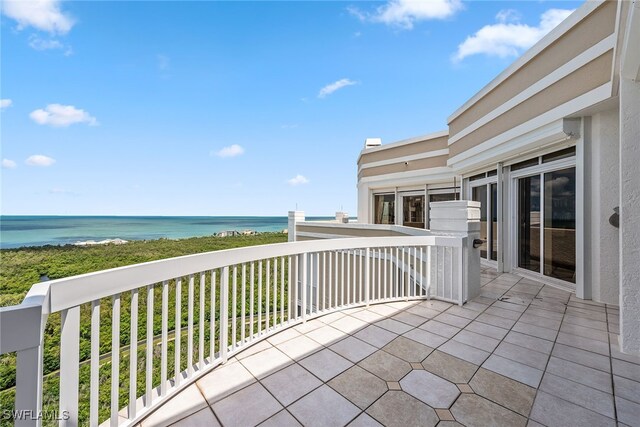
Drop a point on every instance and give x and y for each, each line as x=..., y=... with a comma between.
x=294, y=217
x=629, y=216
x=630, y=185
x=461, y=217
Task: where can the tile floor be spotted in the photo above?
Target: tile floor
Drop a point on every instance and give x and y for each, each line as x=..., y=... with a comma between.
x=520, y=354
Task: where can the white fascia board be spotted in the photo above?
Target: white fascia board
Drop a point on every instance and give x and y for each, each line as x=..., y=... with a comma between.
x=579, y=61
x=531, y=134
x=631, y=50
x=420, y=156
x=581, y=13
x=407, y=141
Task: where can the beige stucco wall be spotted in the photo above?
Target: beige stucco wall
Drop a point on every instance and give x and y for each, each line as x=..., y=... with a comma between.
x=419, y=147
x=581, y=81
x=594, y=28
x=429, y=162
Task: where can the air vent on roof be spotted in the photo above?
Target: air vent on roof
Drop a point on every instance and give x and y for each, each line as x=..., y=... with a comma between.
x=372, y=142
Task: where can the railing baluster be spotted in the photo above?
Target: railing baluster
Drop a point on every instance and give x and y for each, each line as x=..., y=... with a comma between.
x=165, y=337
x=428, y=272
x=331, y=277
x=266, y=300
x=190, y=327
x=291, y=286
x=282, y=268
x=212, y=333
x=315, y=288
x=115, y=360
x=243, y=320
x=303, y=269
x=342, y=268
x=178, y=331
x=385, y=271
x=224, y=313
x=421, y=271
x=149, y=361
x=259, y=297
x=275, y=292
x=234, y=307
x=251, y=295
x=324, y=281
x=201, y=325
x=460, y=273
x=133, y=355
x=367, y=281
x=94, y=384
x=69, y=359
x=379, y=277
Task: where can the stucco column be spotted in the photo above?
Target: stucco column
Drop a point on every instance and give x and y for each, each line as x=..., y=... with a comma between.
x=629, y=216
x=461, y=218
x=294, y=217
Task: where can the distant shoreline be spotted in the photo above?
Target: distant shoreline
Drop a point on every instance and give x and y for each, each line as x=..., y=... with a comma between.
x=27, y=231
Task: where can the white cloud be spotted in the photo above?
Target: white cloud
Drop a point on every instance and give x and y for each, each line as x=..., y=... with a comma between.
x=230, y=151
x=298, y=180
x=38, y=43
x=39, y=160
x=405, y=13
x=57, y=115
x=44, y=15
x=509, y=37
x=8, y=164
x=5, y=103
x=332, y=87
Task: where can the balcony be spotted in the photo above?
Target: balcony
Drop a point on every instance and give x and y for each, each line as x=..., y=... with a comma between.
x=521, y=353
x=395, y=329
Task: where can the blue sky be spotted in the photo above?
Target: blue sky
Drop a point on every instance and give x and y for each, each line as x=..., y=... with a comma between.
x=232, y=108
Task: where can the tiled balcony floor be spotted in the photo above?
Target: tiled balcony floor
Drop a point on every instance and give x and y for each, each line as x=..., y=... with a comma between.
x=520, y=354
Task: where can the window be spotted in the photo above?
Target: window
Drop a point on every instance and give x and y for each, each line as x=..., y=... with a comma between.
x=413, y=211
x=384, y=206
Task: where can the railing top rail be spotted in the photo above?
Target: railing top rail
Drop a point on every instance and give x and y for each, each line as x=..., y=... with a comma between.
x=73, y=291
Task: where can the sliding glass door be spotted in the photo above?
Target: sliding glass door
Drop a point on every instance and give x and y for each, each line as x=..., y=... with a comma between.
x=485, y=191
x=413, y=210
x=546, y=223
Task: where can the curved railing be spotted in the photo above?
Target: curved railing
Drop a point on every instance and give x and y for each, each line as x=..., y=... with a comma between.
x=116, y=368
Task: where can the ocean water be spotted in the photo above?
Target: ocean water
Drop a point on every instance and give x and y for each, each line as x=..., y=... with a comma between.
x=17, y=231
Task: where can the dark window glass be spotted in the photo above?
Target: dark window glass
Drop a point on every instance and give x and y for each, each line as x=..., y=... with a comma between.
x=384, y=209
x=413, y=211
x=562, y=154
x=525, y=164
x=445, y=197
x=477, y=177
x=560, y=224
x=494, y=222
x=492, y=173
x=479, y=194
x=529, y=223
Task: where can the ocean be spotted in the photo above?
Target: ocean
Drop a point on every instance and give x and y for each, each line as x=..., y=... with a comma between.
x=18, y=231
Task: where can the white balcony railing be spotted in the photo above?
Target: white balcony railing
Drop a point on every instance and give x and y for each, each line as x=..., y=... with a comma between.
x=234, y=298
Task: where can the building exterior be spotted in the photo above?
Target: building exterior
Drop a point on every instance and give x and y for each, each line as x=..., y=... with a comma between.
x=550, y=148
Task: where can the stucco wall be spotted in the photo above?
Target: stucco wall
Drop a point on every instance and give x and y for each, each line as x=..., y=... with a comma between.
x=604, y=196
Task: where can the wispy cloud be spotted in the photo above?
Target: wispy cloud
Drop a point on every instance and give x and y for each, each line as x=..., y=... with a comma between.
x=230, y=151
x=5, y=103
x=298, y=180
x=332, y=87
x=8, y=164
x=39, y=160
x=58, y=115
x=43, y=15
x=509, y=37
x=37, y=43
x=405, y=13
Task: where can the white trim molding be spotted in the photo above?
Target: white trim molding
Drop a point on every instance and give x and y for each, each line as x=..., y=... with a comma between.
x=546, y=128
x=402, y=142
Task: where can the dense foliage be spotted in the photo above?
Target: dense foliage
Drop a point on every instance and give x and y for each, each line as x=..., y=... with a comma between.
x=20, y=268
